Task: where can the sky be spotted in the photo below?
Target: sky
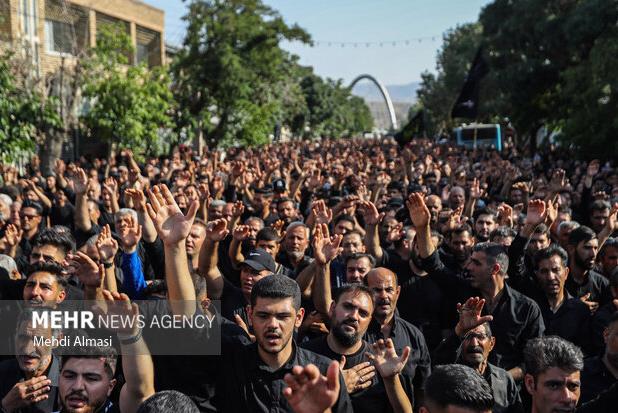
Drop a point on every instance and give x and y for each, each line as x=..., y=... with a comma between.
x=377, y=22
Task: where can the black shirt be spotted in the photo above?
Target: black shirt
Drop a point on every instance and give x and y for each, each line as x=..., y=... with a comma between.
x=371, y=399
x=605, y=403
x=11, y=374
x=403, y=334
x=595, y=378
x=571, y=321
x=596, y=285
x=246, y=384
x=233, y=302
x=600, y=320
x=516, y=318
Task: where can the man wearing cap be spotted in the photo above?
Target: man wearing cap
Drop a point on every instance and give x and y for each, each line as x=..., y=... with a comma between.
x=257, y=264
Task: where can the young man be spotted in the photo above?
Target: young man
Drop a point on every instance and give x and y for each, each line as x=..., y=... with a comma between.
x=552, y=377
x=250, y=377
x=350, y=314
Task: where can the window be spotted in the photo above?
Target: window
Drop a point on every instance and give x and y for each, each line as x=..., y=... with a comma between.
x=58, y=37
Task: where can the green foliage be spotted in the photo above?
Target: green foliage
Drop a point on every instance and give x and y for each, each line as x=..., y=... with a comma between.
x=234, y=82
x=129, y=105
x=24, y=114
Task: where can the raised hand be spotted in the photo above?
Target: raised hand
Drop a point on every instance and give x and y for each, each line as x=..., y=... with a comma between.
x=325, y=248
x=322, y=213
x=310, y=392
x=359, y=377
x=80, y=181
x=238, y=209
x=26, y=393
x=551, y=211
x=106, y=245
x=470, y=315
x=12, y=235
x=558, y=181
x=241, y=232
x=419, y=213
x=475, y=190
x=89, y=272
x=385, y=359
x=505, y=215
x=241, y=323
x=119, y=306
x=593, y=306
x=278, y=227
x=171, y=224
x=216, y=230
x=536, y=212
x=371, y=216
x=111, y=186
x=138, y=198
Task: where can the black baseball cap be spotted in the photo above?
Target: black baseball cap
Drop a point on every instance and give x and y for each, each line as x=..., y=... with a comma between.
x=259, y=260
x=279, y=186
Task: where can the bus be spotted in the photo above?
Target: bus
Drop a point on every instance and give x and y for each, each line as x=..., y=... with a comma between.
x=479, y=135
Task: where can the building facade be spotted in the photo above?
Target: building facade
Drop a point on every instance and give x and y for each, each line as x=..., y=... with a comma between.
x=55, y=32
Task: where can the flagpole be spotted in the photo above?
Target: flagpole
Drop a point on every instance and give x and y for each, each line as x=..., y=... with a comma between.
x=475, y=134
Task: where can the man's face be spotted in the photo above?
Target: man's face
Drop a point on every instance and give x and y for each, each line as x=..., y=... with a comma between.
x=552, y=275
x=50, y=181
x=195, y=239
x=46, y=252
x=274, y=321
x=249, y=276
x=460, y=244
x=286, y=211
x=271, y=247
x=261, y=202
x=295, y=242
x=30, y=218
x=123, y=223
x=84, y=385
x=254, y=228
x=215, y=212
x=357, y=269
x=106, y=196
x=350, y=317
x=586, y=253
x=351, y=244
x=483, y=226
x=479, y=270
x=517, y=196
x=93, y=211
x=42, y=287
x=343, y=227
x=598, y=219
x=385, y=290
x=609, y=260
x=554, y=390
x=476, y=346
x=434, y=204
x=563, y=236
x=15, y=216
x=538, y=242
x=32, y=359
x=457, y=198
x=610, y=335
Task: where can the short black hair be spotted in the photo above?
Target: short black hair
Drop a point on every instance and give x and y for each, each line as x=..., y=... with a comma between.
x=600, y=205
x=267, y=234
x=355, y=288
x=108, y=353
x=609, y=243
x=496, y=253
x=359, y=255
x=28, y=203
x=52, y=236
x=276, y=286
x=541, y=229
x=344, y=217
x=460, y=386
x=51, y=267
x=502, y=232
x=460, y=230
x=168, y=401
x=552, y=250
x=543, y=353
x=485, y=211
x=581, y=234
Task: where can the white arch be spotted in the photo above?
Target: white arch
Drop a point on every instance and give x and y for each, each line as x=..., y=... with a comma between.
x=385, y=95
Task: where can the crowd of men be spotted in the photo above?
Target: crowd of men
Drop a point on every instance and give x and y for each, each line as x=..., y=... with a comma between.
x=353, y=275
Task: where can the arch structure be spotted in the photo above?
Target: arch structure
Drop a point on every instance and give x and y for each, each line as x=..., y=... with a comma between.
x=385, y=95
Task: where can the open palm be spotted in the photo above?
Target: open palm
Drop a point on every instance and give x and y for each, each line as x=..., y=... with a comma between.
x=385, y=358
x=310, y=392
x=171, y=224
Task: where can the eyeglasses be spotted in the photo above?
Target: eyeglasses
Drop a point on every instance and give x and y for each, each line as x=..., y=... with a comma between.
x=25, y=216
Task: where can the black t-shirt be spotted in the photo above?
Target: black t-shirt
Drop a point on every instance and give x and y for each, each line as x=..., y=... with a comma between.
x=371, y=399
x=233, y=302
x=11, y=374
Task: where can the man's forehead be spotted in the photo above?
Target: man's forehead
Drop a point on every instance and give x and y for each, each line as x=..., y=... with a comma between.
x=556, y=373
x=380, y=278
x=357, y=299
x=273, y=304
x=42, y=276
x=85, y=365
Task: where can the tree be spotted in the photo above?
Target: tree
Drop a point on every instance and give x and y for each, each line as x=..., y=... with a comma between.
x=438, y=93
x=129, y=106
x=25, y=113
x=231, y=73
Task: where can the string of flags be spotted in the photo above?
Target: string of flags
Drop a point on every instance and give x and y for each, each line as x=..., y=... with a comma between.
x=381, y=43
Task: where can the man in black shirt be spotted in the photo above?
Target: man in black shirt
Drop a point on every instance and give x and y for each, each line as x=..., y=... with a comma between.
x=471, y=345
x=350, y=314
x=386, y=324
x=251, y=377
x=583, y=281
x=601, y=372
x=516, y=318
